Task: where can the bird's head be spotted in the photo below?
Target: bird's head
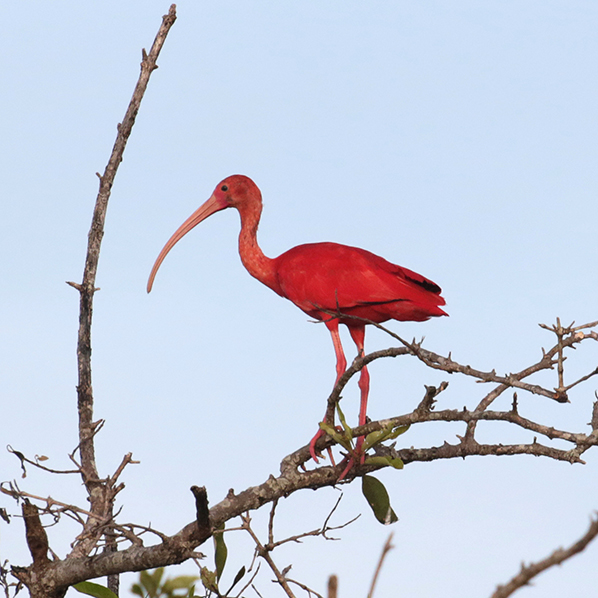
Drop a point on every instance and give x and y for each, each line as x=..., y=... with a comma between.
x=236, y=191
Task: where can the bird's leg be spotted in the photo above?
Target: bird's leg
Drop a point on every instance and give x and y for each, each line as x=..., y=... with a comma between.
x=364, y=385
x=358, y=335
x=341, y=366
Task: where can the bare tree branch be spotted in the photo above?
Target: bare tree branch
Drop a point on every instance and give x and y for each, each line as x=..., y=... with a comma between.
x=332, y=586
x=385, y=550
x=265, y=554
x=98, y=491
x=101, y=492
x=447, y=364
x=556, y=558
x=36, y=463
x=37, y=539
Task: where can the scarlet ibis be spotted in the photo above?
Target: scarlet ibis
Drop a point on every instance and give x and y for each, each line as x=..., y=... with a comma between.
x=328, y=281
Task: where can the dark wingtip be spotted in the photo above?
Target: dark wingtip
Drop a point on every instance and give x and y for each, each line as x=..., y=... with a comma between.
x=426, y=284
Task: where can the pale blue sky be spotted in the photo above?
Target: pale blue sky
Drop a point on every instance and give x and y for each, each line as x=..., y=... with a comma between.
x=457, y=139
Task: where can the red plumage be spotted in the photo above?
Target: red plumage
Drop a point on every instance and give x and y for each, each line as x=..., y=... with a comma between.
x=330, y=282
x=321, y=278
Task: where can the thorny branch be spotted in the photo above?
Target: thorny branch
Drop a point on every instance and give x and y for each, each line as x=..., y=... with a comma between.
x=571, y=337
x=181, y=546
x=560, y=555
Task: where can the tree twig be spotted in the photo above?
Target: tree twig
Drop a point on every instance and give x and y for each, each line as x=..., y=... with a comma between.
x=556, y=558
x=265, y=554
x=385, y=550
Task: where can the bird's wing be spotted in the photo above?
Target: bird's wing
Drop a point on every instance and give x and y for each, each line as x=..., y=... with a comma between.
x=328, y=276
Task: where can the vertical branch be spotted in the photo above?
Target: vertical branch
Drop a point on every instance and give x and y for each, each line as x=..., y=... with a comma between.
x=87, y=288
x=37, y=540
x=100, y=495
x=559, y=333
x=262, y=551
x=332, y=586
x=113, y=581
x=387, y=548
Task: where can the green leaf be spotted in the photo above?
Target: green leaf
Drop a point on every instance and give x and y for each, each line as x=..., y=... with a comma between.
x=372, y=438
x=398, y=431
x=221, y=552
x=157, y=576
x=396, y=462
x=94, y=589
x=178, y=583
x=377, y=496
x=238, y=578
x=335, y=435
x=136, y=589
x=147, y=582
x=208, y=578
x=387, y=433
x=346, y=427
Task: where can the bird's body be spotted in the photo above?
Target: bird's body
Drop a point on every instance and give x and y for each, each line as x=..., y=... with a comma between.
x=323, y=279
x=333, y=283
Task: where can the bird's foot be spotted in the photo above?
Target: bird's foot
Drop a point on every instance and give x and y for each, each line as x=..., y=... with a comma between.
x=357, y=455
x=312, y=445
x=312, y=448
x=348, y=468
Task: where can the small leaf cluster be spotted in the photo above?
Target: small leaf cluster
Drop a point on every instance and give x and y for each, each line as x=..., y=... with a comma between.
x=373, y=489
x=344, y=437
x=151, y=586
x=211, y=579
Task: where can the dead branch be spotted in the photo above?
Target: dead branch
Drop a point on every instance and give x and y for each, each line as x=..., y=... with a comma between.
x=36, y=463
x=447, y=364
x=321, y=531
x=99, y=495
x=263, y=552
x=181, y=546
x=385, y=550
x=86, y=562
x=37, y=539
x=570, y=337
x=202, y=510
x=309, y=591
x=101, y=492
x=332, y=586
x=556, y=558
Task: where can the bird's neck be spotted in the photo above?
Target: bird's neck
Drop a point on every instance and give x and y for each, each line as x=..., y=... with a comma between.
x=253, y=258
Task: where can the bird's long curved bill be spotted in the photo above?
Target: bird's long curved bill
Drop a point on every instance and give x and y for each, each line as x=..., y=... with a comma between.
x=207, y=209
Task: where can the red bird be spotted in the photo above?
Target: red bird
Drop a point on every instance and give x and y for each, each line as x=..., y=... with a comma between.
x=322, y=279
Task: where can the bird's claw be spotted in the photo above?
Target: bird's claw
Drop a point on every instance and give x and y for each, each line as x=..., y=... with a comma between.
x=312, y=447
x=355, y=456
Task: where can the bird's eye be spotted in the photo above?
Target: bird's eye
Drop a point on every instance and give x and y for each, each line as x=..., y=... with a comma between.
x=224, y=188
